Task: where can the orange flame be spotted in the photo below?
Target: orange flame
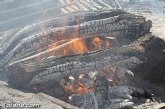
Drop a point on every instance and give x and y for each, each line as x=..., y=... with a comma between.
x=75, y=46
x=80, y=89
x=79, y=46
x=107, y=44
x=97, y=42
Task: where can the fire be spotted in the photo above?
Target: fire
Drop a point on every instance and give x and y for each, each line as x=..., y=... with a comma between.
x=78, y=88
x=97, y=42
x=107, y=44
x=82, y=86
x=79, y=46
x=61, y=45
x=74, y=46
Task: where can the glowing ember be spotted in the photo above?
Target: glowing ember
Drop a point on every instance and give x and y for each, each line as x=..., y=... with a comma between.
x=78, y=88
x=97, y=42
x=107, y=44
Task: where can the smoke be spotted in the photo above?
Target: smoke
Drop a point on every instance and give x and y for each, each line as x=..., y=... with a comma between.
x=19, y=13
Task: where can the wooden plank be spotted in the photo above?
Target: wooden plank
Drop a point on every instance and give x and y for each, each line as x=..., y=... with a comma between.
x=57, y=101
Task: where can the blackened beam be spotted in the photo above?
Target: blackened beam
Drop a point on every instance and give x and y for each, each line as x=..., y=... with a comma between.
x=111, y=26
x=56, y=68
x=65, y=20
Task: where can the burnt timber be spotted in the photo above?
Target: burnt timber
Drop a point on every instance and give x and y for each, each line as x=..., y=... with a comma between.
x=115, y=23
x=109, y=23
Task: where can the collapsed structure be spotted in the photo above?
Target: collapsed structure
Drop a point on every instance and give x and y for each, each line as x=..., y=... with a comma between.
x=80, y=43
x=23, y=49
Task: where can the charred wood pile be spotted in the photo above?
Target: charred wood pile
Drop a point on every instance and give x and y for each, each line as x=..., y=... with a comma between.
x=93, y=60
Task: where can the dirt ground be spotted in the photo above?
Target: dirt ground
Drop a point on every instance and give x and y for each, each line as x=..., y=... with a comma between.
x=10, y=95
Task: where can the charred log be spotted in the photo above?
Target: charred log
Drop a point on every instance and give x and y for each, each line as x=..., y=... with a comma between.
x=66, y=20
x=19, y=53
x=112, y=23
x=101, y=93
x=57, y=67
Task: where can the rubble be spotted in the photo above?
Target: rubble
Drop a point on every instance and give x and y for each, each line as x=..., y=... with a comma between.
x=122, y=69
x=33, y=50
